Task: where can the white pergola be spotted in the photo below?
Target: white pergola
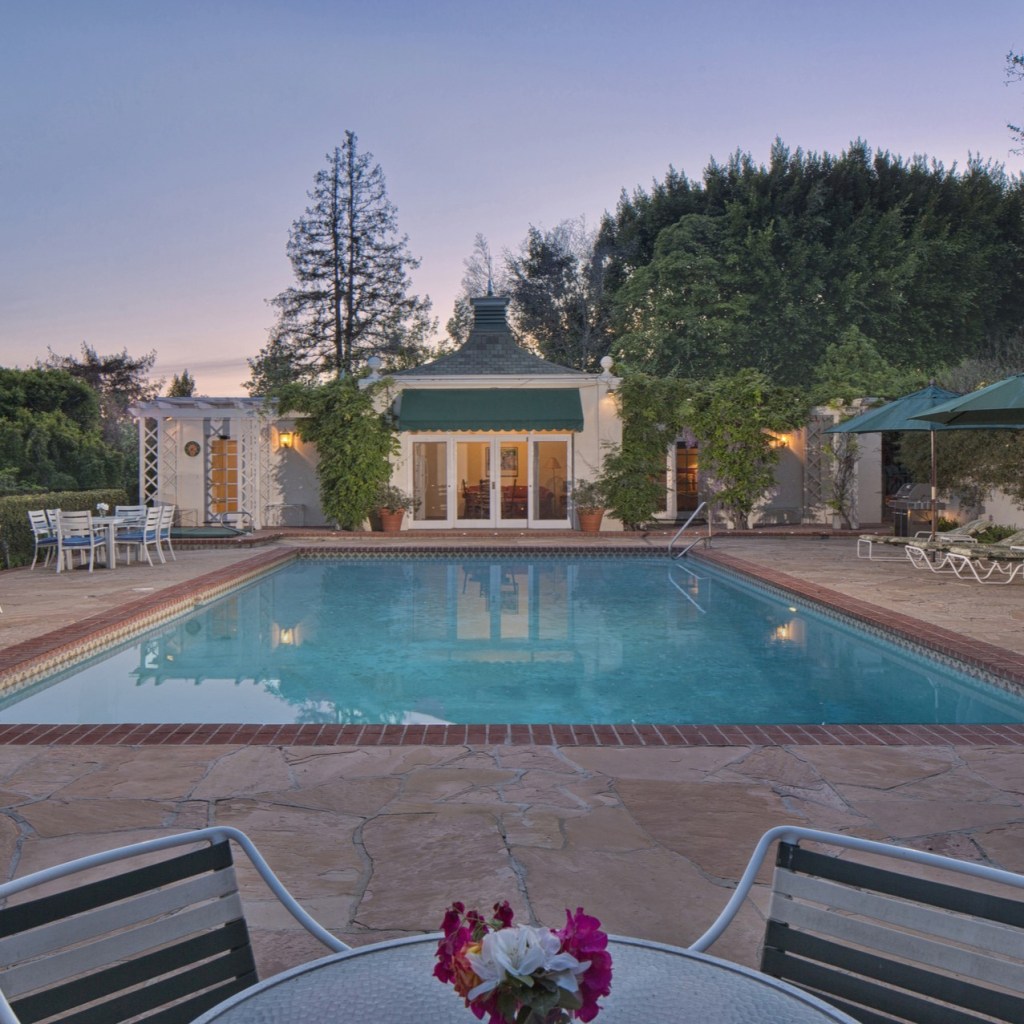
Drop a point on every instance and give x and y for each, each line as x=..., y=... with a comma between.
x=175, y=429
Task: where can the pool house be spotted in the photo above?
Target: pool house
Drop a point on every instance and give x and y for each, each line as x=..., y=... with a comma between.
x=491, y=436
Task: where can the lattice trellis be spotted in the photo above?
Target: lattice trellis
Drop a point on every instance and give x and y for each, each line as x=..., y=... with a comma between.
x=169, y=431
x=151, y=448
x=212, y=429
x=263, y=474
x=817, y=471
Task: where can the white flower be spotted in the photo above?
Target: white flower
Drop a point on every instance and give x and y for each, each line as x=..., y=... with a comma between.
x=520, y=952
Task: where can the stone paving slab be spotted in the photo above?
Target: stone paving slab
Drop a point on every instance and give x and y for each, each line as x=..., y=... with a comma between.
x=377, y=840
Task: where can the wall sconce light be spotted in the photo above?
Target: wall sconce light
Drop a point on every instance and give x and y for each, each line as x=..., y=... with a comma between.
x=778, y=440
x=285, y=439
x=287, y=636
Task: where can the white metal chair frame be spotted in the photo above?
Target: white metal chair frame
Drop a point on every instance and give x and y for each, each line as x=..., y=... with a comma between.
x=921, y=559
x=209, y=836
x=935, y=951
x=963, y=566
x=969, y=568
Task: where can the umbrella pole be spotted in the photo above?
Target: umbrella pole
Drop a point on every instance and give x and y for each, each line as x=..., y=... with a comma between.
x=935, y=491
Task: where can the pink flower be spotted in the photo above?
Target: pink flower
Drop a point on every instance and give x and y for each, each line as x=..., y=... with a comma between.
x=582, y=937
x=503, y=970
x=463, y=933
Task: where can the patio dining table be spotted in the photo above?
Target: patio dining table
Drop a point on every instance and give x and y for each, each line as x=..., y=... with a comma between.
x=111, y=523
x=392, y=983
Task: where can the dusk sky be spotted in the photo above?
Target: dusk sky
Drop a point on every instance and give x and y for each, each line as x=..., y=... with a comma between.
x=156, y=152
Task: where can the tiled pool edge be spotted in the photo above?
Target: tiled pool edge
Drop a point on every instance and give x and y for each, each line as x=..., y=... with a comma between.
x=38, y=654
x=943, y=642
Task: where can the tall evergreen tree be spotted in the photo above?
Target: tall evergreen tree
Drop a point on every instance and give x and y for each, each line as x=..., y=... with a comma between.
x=1015, y=73
x=351, y=295
x=479, y=275
x=557, y=288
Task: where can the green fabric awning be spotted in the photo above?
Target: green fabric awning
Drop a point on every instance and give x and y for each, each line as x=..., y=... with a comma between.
x=490, y=409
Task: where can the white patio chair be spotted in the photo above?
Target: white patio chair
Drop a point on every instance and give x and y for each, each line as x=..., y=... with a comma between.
x=926, y=939
x=44, y=536
x=166, y=522
x=76, y=532
x=168, y=935
x=142, y=537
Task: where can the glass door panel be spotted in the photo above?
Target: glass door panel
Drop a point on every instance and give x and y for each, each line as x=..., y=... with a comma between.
x=473, y=473
x=512, y=458
x=687, y=497
x=430, y=480
x=550, y=480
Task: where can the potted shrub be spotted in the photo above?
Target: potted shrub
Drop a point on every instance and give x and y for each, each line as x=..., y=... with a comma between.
x=392, y=503
x=588, y=498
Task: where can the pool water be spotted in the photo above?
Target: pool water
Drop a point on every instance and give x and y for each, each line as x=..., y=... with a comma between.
x=509, y=640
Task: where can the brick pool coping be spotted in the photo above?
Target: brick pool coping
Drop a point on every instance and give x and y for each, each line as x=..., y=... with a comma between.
x=27, y=659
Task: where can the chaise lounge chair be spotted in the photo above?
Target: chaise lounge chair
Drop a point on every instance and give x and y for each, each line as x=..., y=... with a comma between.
x=965, y=565
x=965, y=534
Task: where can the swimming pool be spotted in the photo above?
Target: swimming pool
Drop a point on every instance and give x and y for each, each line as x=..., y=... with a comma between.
x=501, y=640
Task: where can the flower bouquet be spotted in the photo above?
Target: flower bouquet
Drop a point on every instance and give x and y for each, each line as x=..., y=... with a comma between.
x=102, y=507
x=518, y=974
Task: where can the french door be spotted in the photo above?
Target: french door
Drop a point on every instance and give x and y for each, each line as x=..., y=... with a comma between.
x=505, y=481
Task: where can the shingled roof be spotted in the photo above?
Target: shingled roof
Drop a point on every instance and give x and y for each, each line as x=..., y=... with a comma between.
x=490, y=350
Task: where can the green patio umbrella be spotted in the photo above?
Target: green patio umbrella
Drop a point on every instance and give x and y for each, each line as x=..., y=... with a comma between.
x=903, y=414
x=999, y=405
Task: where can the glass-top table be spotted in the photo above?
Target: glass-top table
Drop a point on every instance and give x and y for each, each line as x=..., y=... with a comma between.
x=392, y=983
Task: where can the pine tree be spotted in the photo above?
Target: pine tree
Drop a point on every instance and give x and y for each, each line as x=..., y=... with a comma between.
x=183, y=386
x=351, y=295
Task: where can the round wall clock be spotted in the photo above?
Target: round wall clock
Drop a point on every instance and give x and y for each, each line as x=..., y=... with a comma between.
x=192, y=448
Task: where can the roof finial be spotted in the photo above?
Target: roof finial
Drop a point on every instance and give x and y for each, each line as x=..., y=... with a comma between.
x=490, y=285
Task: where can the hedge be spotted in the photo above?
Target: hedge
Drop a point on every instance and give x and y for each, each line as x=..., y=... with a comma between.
x=15, y=531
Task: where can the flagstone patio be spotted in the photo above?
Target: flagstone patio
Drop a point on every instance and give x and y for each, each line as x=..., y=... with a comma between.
x=377, y=839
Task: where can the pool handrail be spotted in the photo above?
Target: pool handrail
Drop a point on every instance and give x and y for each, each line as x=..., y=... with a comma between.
x=693, y=515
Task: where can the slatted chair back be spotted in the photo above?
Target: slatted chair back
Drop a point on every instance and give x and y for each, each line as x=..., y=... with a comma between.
x=132, y=514
x=131, y=944
x=161, y=942
x=886, y=946
x=166, y=522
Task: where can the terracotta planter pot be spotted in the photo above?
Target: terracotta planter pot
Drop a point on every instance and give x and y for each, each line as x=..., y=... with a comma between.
x=590, y=522
x=391, y=522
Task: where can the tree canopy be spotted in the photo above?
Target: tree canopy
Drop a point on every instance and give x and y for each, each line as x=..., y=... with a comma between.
x=350, y=299
x=767, y=266
x=556, y=287
x=50, y=434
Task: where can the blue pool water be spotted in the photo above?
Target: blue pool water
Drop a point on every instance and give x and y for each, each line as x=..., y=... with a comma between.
x=509, y=640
